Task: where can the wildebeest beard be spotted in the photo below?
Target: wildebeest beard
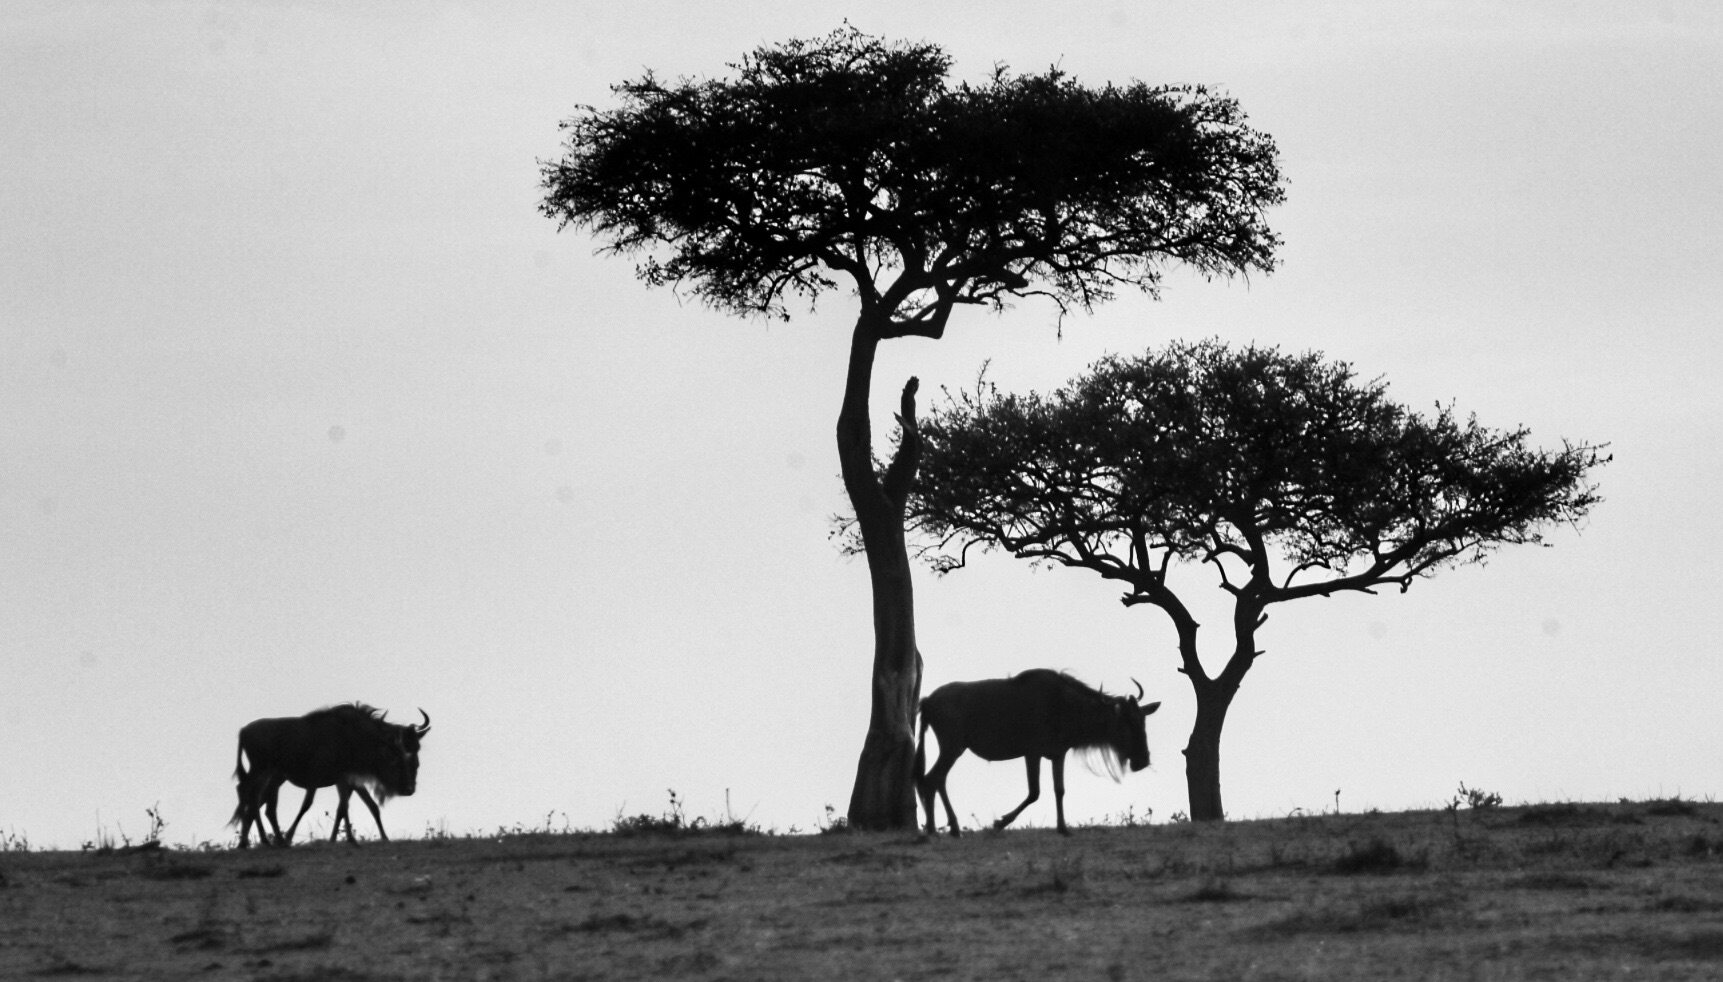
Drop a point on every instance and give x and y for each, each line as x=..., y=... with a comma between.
x=1102, y=758
x=373, y=784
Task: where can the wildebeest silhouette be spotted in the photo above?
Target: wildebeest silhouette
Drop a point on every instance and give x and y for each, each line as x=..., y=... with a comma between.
x=350, y=746
x=1033, y=714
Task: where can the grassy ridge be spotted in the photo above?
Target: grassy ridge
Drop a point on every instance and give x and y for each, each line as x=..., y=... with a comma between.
x=1568, y=891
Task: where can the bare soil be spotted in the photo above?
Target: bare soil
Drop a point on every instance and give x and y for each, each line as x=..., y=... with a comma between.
x=1568, y=892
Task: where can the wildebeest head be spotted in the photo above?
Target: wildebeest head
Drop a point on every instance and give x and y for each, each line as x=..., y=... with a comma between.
x=1127, y=736
x=398, y=770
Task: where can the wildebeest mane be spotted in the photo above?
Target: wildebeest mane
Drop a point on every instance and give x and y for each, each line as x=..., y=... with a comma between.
x=1080, y=708
x=352, y=710
x=371, y=718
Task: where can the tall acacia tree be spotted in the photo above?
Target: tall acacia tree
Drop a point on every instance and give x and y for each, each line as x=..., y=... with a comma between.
x=852, y=160
x=1283, y=472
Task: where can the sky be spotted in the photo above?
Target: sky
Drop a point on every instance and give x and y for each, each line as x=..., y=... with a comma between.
x=302, y=401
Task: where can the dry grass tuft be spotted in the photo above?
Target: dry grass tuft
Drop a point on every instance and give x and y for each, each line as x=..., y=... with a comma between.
x=1567, y=813
x=1666, y=807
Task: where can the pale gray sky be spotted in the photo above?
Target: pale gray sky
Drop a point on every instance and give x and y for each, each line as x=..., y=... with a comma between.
x=301, y=401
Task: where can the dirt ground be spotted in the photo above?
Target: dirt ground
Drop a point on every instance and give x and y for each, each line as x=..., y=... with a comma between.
x=1561, y=892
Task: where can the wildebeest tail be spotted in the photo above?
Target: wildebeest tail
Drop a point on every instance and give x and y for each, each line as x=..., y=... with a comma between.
x=921, y=753
x=243, y=776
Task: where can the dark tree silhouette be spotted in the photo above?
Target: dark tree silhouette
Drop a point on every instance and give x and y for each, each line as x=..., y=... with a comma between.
x=850, y=159
x=1284, y=472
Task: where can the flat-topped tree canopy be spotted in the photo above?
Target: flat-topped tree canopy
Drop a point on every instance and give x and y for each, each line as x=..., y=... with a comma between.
x=852, y=155
x=1285, y=468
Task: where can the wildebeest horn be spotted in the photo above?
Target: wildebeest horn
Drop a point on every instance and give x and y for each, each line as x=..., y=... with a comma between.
x=426, y=728
x=1139, y=686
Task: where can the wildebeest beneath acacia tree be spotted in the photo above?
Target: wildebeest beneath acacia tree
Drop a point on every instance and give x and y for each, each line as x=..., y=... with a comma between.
x=1033, y=714
x=350, y=746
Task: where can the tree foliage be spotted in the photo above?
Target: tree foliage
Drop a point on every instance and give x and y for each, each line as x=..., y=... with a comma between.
x=850, y=155
x=1285, y=472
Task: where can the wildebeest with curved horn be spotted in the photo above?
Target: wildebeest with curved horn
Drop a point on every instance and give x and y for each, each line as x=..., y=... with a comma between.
x=1033, y=714
x=350, y=746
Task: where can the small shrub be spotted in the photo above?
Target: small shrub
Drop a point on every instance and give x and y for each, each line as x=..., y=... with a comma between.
x=1129, y=819
x=1561, y=813
x=1477, y=799
x=1671, y=807
x=1376, y=856
x=835, y=823
x=644, y=824
x=438, y=833
x=104, y=842
x=676, y=822
x=731, y=825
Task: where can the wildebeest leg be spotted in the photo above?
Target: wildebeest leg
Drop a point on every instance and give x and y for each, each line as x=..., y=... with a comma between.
x=365, y=796
x=346, y=791
x=255, y=791
x=1033, y=763
x=923, y=790
x=270, y=794
x=936, y=782
x=247, y=813
x=1059, y=792
x=304, y=806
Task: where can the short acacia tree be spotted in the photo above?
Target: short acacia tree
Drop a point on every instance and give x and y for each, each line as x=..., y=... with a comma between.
x=849, y=160
x=1284, y=473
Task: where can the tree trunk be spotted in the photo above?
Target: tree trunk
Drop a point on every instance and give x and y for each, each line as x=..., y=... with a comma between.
x=1214, y=697
x=884, y=792
x=1202, y=754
